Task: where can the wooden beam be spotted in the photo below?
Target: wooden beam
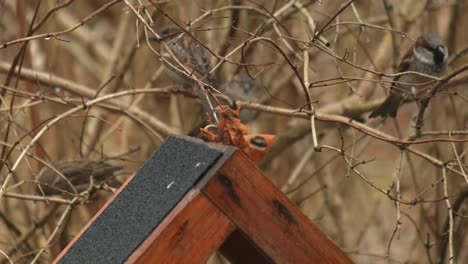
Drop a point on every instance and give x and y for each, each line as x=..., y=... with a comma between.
x=262, y=212
x=191, y=233
x=144, y=201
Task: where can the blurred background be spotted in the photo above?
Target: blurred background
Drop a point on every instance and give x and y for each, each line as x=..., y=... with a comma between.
x=84, y=93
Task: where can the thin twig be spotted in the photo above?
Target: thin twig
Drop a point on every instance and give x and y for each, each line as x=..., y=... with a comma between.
x=59, y=33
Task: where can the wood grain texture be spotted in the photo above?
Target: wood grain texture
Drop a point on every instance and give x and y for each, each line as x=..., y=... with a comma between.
x=191, y=233
x=268, y=217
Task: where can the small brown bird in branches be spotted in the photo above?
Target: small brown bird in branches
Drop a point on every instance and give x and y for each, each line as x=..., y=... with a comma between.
x=184, y=58
x=244, y=88
x=75, y=176
x=186, y=62
x=428, y=56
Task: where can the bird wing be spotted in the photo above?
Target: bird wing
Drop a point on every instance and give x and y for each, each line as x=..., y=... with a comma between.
x=403, y=67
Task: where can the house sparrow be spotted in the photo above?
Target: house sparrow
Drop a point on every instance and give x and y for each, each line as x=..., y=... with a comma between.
x=184, y=58
x=428, y=56
x=240, y=88
x=77, y=172
x=243, y=88
x=186, y=62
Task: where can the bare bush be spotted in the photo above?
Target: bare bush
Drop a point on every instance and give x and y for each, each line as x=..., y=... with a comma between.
x=84, y=80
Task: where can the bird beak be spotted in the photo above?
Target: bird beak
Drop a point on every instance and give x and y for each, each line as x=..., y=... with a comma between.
x=441, y=49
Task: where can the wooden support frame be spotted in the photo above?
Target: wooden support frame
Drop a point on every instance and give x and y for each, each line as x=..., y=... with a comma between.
x=189, y=234
x=232, y=207
x=262, y=212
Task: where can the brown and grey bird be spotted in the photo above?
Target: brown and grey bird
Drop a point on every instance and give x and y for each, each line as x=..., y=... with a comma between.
x=244, y=88
x=77, y=173
x=186, y=61
x=428, y=56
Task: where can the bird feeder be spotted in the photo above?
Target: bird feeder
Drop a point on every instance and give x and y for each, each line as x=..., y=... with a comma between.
x=191, y=199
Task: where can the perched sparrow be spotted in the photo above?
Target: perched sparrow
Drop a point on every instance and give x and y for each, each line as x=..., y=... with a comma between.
x=186, y=62
x=184, y=58
x=243, y=88
x=240, y=88
x=429, y=56
x=77, y=172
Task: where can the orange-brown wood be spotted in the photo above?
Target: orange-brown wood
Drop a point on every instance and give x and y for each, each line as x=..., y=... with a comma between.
x=263, y=213
x=191, y=233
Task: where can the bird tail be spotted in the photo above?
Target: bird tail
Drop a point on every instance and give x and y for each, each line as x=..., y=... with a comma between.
x=389, y=107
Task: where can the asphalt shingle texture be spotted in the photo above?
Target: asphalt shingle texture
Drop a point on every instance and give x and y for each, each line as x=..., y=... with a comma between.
x=157, y=188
